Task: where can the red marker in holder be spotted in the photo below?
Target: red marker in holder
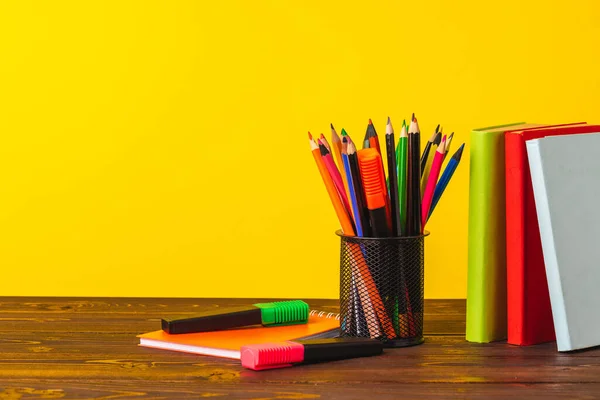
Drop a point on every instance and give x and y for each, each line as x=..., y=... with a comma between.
x=287, y=354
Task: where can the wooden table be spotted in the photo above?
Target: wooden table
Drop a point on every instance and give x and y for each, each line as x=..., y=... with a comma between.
x=68, y=348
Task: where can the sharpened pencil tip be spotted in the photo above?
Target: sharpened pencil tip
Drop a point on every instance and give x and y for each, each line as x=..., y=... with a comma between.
x=433, y=136
x=389, y=129
x=331, y=125
x=309, y=136
x=370, y=122
x=345, y=139
x=458, y=153
x=351, y=148
x=344, y=132
x=437, y=129
x=404, y=123
x=413, y=117
x=322, y=149
x=322, y=136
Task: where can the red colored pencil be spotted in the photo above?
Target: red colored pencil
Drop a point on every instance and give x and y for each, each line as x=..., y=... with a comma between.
x=335, y=175
x=325, y=143
x=434, y=174
x=344, y=218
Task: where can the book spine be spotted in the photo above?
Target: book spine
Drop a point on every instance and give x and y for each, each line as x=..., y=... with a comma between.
x=515, y=240
x=486, y=275
x=538, y=181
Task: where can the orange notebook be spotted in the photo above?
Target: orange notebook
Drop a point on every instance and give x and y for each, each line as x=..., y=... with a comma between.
x=227, y=343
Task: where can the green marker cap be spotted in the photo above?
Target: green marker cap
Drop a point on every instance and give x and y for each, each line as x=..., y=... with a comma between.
x=279, y=313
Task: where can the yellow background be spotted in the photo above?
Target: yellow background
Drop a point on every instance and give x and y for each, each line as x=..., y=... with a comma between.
x=158, y=148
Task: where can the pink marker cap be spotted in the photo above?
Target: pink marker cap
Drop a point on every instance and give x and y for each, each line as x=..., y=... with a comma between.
x=271, y=355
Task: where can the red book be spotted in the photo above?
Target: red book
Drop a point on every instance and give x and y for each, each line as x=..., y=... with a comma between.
x=528, y=309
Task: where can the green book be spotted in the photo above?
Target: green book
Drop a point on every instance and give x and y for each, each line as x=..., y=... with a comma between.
x=486, y=276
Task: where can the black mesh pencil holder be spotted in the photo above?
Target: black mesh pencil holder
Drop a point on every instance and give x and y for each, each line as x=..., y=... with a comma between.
x=382, y=288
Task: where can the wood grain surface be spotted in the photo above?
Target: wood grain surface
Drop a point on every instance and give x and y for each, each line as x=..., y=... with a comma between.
x=86, y=348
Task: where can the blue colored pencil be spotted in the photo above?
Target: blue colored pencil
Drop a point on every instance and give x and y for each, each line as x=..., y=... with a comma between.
x=346, y=161
x=445, y=178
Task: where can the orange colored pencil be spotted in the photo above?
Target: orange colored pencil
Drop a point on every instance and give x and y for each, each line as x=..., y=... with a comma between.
x=367, y=289
x=340, y=211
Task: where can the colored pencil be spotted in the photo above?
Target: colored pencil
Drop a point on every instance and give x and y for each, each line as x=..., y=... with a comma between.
x=360, y=323
x=359, y=311
x=336, y=143
x=355, y=207
x=366, y=142
x=429, y=160
x=413, y=192
x=342, y=214
x=448, y=141
x=325, y=142
x=398, y=153
x=413, y=216
x=370, y=299
x=390, y=147
x=361, y=202
x=402, y=166
x=445, y=178
x=432, y=181
x=371, y=135
x=335, y=175
x=345, y=134
x=426, y=149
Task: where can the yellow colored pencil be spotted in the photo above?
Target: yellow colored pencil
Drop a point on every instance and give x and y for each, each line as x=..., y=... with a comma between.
x=336, y=147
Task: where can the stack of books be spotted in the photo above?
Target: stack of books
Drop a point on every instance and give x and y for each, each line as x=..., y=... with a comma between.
x=533, y=227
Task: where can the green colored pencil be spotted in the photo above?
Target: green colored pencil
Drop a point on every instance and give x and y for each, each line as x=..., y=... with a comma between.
x=402, y=160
